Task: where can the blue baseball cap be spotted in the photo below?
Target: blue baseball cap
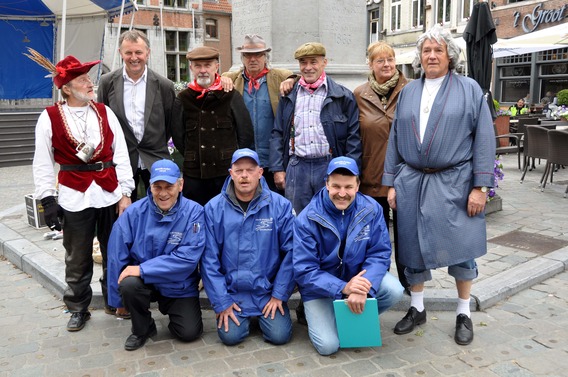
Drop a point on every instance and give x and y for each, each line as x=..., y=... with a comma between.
x=343, y=163
x=164, y=170
x=245, y=152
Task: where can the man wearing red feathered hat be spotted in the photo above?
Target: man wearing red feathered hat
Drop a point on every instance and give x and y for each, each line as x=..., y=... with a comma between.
x=95, y=178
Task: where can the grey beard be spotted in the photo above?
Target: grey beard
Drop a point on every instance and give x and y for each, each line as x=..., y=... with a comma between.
x=204, y=82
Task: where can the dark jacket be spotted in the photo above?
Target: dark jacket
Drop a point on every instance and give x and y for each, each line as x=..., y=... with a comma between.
x=339, y=117
x=208, y=130
x=160, y=96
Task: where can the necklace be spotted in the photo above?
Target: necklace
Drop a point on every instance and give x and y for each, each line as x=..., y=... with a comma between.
x=80, y=120
x=426, y=108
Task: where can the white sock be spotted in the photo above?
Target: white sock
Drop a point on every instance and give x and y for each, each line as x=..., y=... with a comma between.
x=417, y=300
x=463, y=307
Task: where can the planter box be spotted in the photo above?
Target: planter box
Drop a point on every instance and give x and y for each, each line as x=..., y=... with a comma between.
x=494, y=205
x=502, y=127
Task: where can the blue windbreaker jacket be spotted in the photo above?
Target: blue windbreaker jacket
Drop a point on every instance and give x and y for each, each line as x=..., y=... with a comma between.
x=167, y=248
x=318, y=269
x=248, y=256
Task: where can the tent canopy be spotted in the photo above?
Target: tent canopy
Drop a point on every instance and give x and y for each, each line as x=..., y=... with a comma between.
x=39, y=24
x=50, y=9
x=545, y=39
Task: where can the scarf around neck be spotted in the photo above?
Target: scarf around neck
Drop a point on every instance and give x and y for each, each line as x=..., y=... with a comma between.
x=313, y=86
x=198, y=88
x=383, y=89
x=253, y=81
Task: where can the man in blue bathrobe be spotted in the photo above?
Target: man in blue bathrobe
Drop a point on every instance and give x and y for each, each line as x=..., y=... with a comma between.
x=439, y=166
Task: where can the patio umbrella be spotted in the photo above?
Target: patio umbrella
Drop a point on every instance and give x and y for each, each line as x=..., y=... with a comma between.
x=479, y=35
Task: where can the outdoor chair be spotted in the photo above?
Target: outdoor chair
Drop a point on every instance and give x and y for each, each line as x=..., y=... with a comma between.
x=557, y=154
x=535, y=146
x=522, y=133
x=513, y=147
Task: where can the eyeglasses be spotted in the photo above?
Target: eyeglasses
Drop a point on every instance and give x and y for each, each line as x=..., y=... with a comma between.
x=257, y=55
x=382, y=61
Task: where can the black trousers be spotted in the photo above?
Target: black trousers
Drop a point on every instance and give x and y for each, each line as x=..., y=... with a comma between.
x=185, y=313
x=140, y=174
x=399, y=266
x=79, y=229
x=202, y=190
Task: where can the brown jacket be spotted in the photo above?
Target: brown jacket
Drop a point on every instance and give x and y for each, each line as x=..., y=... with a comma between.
x=273, y=80
x=375, y=124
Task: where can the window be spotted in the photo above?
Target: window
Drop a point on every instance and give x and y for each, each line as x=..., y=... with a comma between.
x=443, y=11
x=417, y=13
x=467, y=6
x=395, y=14
x=211, y=30
x=177, y=45
x=176, y=3
x=374, y=27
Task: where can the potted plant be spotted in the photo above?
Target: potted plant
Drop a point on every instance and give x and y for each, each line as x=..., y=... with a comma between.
x=494, y=201
x=502, y=122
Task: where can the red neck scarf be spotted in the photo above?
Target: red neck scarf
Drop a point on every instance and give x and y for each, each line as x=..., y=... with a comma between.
x=198, y=88
x=313, y=86
x=253, y=81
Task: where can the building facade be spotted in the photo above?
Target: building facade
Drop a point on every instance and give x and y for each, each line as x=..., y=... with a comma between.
x=400, y=22
x=173, y=28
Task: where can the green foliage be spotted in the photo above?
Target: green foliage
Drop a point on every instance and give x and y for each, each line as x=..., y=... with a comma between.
x=496, y=105
x=562, y=97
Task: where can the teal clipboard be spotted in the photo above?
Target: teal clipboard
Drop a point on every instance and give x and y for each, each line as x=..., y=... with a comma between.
x=358, y=330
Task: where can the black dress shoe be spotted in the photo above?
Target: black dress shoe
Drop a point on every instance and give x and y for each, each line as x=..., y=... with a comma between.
x=133, y=342
x=411, y=319
x=464, y=330
x=77, y=321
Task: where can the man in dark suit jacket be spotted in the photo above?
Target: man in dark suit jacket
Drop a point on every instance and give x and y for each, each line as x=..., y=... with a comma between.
x=142, y=100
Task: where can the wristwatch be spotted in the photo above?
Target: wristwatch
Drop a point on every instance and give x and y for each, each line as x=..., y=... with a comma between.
x=127, y=194
x=483, y=189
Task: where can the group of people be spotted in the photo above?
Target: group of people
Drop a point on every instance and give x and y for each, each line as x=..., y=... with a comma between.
x=287, y=180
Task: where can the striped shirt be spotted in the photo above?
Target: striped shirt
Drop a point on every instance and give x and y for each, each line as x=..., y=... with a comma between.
x=309, y=136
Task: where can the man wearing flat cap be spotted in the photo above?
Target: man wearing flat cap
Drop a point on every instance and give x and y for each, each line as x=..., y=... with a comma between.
x=209, y=125
x=156, y=247
x=260, y=86
x=247, y=262
x=95, y=178
x=317, y=121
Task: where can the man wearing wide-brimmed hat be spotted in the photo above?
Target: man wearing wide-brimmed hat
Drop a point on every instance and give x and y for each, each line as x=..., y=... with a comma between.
x=95, y=178
x=260, y=86
x=209, y=125
x=317, y=121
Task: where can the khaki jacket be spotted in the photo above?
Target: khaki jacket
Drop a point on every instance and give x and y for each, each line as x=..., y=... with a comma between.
x=273, y=80
x=375, y=124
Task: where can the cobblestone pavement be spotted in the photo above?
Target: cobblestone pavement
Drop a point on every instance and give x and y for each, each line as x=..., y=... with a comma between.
x=520, y=296
x=525, y=335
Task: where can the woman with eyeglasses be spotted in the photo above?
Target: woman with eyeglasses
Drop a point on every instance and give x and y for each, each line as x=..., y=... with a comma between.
x=377, y=100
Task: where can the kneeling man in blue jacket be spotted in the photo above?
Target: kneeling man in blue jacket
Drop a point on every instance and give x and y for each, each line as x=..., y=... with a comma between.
x=341, y=250
x=154, y=251
x=247, y=263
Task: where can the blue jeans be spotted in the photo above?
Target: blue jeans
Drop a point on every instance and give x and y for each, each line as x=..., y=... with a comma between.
x=462, y=271
x=276, y=331
x=321, y=315
x=304, y=178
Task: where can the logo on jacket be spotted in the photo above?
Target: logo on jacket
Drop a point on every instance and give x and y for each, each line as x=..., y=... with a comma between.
x=175, y=238
x=363, y=234
x=263, y=225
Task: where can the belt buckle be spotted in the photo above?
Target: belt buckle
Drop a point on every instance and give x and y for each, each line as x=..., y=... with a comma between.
x=102, y=165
